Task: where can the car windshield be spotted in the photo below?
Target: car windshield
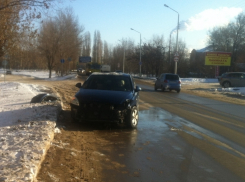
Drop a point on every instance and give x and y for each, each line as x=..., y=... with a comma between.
x=108, y=82
x=172, y=77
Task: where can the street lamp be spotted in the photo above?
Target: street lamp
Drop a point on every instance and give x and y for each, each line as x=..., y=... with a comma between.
x=123, y=53
x=140, y=49
x=175, y=69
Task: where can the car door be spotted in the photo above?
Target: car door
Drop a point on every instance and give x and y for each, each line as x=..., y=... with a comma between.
x=161, y=80
x=232, y=79
x=236, y=81
x=242, y=80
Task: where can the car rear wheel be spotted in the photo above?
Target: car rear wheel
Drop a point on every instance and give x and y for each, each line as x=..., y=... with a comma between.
x=133, y=118
x=226, y=84
x=178, y=91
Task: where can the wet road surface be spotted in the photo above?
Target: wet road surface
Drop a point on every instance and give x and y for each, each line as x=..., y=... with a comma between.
x=179, y=138
x=156, y=151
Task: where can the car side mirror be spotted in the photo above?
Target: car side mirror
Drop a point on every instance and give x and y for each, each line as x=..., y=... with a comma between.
x=78, y=85
x=137, y=89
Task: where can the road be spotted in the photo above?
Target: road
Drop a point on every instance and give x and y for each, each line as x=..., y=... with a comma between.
x=180, y=137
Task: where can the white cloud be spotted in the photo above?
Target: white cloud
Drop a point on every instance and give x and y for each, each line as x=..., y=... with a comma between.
x=210, y=18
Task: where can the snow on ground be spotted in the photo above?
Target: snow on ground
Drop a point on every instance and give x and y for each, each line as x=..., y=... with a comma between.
x=198, y=80
x=26, y=131
x=40, y=74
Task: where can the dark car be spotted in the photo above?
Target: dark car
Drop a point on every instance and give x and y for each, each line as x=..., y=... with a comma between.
x=8, y=72
x=232, y=79
x=168, y=81
x=118, y=71
x=107, y=97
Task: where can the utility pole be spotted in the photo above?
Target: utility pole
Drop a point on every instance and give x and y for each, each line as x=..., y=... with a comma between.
x=175, y=69
x=140, y=63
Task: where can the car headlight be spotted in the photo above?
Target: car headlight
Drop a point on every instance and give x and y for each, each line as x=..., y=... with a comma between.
x=74, y=101
x=126, y=104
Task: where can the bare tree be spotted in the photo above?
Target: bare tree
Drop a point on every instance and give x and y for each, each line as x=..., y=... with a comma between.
x=97, y=47
x=16, y=16
x=61, y=38
x=86, y=48
x=230, y=38
x=106, y=54
x=5, y=4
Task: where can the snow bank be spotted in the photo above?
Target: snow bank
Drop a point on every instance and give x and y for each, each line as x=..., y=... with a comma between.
x=198, y=80
x=26, y=131
x=43, y=74
x=235, y=90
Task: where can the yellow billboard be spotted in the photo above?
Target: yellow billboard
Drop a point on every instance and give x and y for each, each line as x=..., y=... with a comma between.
x=218, y=58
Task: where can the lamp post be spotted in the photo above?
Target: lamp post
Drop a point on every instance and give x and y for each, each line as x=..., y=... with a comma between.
x=123, y=53
x=140, y=49
x=175, y=69
x=170, y=49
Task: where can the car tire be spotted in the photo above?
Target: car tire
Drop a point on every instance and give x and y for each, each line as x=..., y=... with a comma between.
x=178, y=91
x=132, y=118
x=226, y=84
x=73, y=116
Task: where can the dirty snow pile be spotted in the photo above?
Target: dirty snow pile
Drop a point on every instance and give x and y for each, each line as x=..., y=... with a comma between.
x=198, y=80
x=194, y=81
x=26, y=131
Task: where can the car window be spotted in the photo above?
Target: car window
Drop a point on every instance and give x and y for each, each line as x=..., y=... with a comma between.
x=108, y=82
x=235, y=75
x=172, y=77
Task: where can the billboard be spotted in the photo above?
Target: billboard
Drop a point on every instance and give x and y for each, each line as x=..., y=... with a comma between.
x=218, y=58
x=84, y=59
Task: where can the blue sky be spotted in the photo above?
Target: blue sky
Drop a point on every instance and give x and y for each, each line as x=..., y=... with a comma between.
x=114, y=18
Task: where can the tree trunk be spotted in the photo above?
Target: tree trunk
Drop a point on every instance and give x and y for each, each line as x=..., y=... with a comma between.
x=50, y=73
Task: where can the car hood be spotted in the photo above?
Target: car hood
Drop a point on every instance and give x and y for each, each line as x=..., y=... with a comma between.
x=103, y=96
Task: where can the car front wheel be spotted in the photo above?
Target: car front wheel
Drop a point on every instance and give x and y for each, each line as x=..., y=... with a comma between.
x=133, y=118
x=74, y=114
x=226, y=84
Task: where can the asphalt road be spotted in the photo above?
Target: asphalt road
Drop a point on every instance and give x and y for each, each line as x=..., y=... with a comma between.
x=180, y=137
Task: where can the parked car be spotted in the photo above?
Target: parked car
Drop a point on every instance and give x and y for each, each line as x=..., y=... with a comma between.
x=105, y=68
x=107, y=97
x=118, y=71
x=81, y=71
x=168, y=81
x=232, y=79
x=8, y=72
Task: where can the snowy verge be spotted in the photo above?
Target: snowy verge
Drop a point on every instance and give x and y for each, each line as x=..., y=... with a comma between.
x=41, y=74
x=26, y=131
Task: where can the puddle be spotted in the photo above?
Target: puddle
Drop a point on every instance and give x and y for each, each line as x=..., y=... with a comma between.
x=157, y=119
